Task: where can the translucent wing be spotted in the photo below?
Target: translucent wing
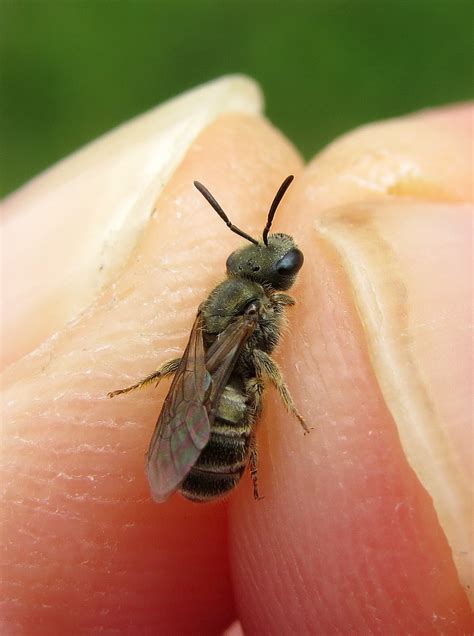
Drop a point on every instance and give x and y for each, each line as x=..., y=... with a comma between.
x=183, y=427
x=222, y=355
x=184, y=424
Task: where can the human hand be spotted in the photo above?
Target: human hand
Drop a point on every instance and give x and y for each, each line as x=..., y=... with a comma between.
x=365, y=522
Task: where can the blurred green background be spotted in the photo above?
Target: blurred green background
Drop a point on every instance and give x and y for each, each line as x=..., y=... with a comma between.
x=72, y=70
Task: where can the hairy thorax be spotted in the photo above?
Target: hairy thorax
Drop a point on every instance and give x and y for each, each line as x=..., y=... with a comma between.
x=229, y=299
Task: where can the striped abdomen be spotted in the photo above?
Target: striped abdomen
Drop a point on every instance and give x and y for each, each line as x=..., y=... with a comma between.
x=223, y=460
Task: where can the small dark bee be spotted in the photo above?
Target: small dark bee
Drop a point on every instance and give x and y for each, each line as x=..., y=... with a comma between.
x=205, y=434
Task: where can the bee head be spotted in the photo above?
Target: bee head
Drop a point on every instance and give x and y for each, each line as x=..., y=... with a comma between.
x=275, y=260
x=276, y=263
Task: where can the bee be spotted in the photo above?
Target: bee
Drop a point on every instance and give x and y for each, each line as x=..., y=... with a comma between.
x=205, y=435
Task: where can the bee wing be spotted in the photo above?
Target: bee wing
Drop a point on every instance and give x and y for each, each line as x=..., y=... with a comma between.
x=183, y=427
x=223, y=353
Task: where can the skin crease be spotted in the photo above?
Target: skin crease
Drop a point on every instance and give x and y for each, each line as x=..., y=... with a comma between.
x=346, y=539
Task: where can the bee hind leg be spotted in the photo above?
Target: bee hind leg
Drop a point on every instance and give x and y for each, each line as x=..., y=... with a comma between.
x=253, y=468
x=166, y=369
x=268, y=368
x=254, y=389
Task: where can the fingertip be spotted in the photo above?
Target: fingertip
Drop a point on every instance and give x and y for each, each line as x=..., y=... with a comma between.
x=352, y=534
x=82, y=484
x=234, y=630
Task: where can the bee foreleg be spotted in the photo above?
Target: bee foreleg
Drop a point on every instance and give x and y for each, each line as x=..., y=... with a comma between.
x=268, y=368
x=283, y=299
x=167, y=368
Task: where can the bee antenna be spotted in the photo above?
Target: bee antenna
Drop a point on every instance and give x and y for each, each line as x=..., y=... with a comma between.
x=273, y=208
x=213, y=203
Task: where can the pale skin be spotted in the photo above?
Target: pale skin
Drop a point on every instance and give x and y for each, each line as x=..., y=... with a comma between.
x=345, y=538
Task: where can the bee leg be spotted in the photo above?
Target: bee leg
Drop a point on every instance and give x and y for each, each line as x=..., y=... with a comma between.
x=283, y=299
x=166, y=369
x=254, y=389
x=268, y=368
x=253, y=468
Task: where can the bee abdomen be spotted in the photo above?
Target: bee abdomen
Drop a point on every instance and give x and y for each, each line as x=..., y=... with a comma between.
x=202, y=486
x=223, y=460
x=224, y=453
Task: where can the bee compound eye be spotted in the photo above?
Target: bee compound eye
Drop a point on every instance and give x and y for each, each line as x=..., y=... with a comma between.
x=290, y=263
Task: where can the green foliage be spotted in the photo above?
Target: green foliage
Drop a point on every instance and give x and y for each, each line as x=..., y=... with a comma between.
x=70, y=71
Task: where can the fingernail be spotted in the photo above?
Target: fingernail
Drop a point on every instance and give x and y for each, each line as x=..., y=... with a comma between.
x=69, y=232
